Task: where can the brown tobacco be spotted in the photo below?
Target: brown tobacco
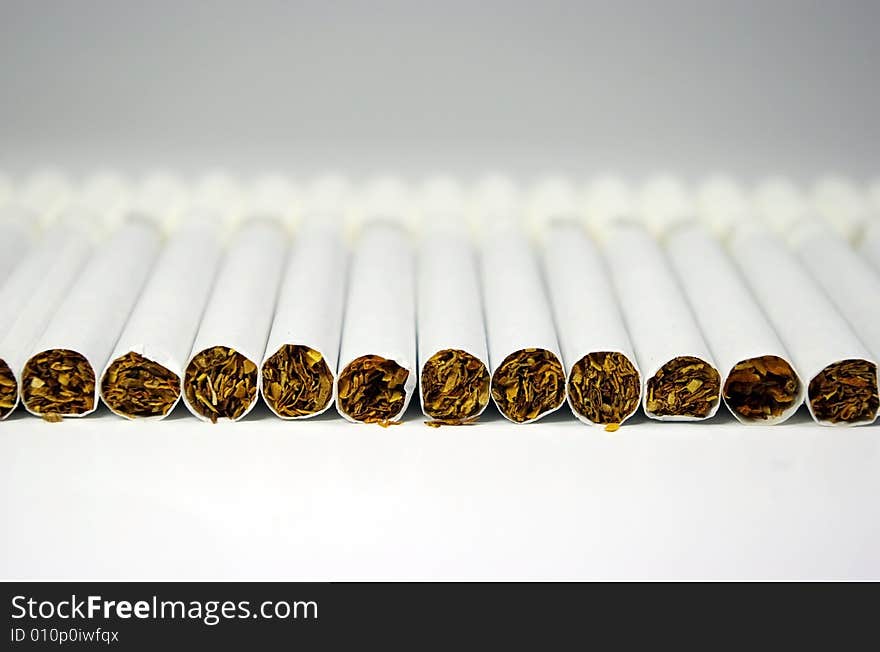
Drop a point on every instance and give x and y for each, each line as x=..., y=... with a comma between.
x=297, y=381
x=220, y=383
x=58, y=382
x=604, y=387
x=455, y=387
x=371, y=389
x=134, y=386
x=684, y=387
x=528, y=383
x=845, y=392
x=761, y=388
x=8, y=389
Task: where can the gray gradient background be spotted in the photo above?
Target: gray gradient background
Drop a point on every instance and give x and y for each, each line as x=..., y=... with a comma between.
x=748, y=87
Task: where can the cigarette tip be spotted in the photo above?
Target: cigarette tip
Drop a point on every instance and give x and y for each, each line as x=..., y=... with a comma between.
x=607, y=199
x=218, y=192
x=160, y=196
x=105, y=195
x=274, y=194
x=663, y=202
x=496, y=203
x=553, y=197
x=779, y=203
x=442, y=204
x=44, y=193
x=841, y=204
x=382, y=198
x=722, y=202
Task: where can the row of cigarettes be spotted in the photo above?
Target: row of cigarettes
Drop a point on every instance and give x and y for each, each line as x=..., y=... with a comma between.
x=606, y=296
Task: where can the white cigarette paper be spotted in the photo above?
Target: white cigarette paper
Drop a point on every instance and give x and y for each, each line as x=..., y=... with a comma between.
x=299, y=369
x=144, y=376
x=60, y=377
x=15, y=242
x=595, y=345
x=29, y=299
x=528, y=379
x=680, y=381
x=816, y=336
x=869, y=247
x=851, y=284
x=759, y=384
x=222, y=379
x=453, y=358
x=377, y=360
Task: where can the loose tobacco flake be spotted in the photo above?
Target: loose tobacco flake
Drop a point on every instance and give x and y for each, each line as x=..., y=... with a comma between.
x=57, y=383
x=684, y=386
x=371, y=389
x=455, y=387
x=528, y=383
x=220, y=383
x=761, y=388
x=297, y=381
x=845, y=392
x=134, y=386
x=604, y=387
x=8, y=389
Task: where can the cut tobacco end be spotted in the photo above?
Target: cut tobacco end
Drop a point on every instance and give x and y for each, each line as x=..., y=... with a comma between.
x=761, y=388
x=297, y=381
x=604, y=387
x=528, y=383
x=134, y=386
x=684, y=387
x=845, y=392
x=58, y=383
x=371, y=389
x=455, y=387
x=8, y=389
x=220, y=383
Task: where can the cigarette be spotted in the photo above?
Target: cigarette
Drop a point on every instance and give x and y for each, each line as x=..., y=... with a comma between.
x=299, y=370
x=453, y=358
x=29, y=299
x=869, y=247
x=841, y=376
x=604, y=386
x=221, y=379
x=144, y=377
x=528, y=379
x=59, y=378
x=760, y=385
x=847, y=279
x=682, y=382
x=378, y=351
x=15, y=242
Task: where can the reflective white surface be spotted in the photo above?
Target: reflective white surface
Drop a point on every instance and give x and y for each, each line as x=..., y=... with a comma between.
x=323, y=500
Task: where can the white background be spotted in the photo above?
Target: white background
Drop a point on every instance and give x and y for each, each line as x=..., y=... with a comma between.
x=689, y=86
x=268, y=499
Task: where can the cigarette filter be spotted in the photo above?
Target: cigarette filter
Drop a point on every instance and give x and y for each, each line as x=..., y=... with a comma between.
x=760, y=384
x=59, y=378
x=221, y=380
